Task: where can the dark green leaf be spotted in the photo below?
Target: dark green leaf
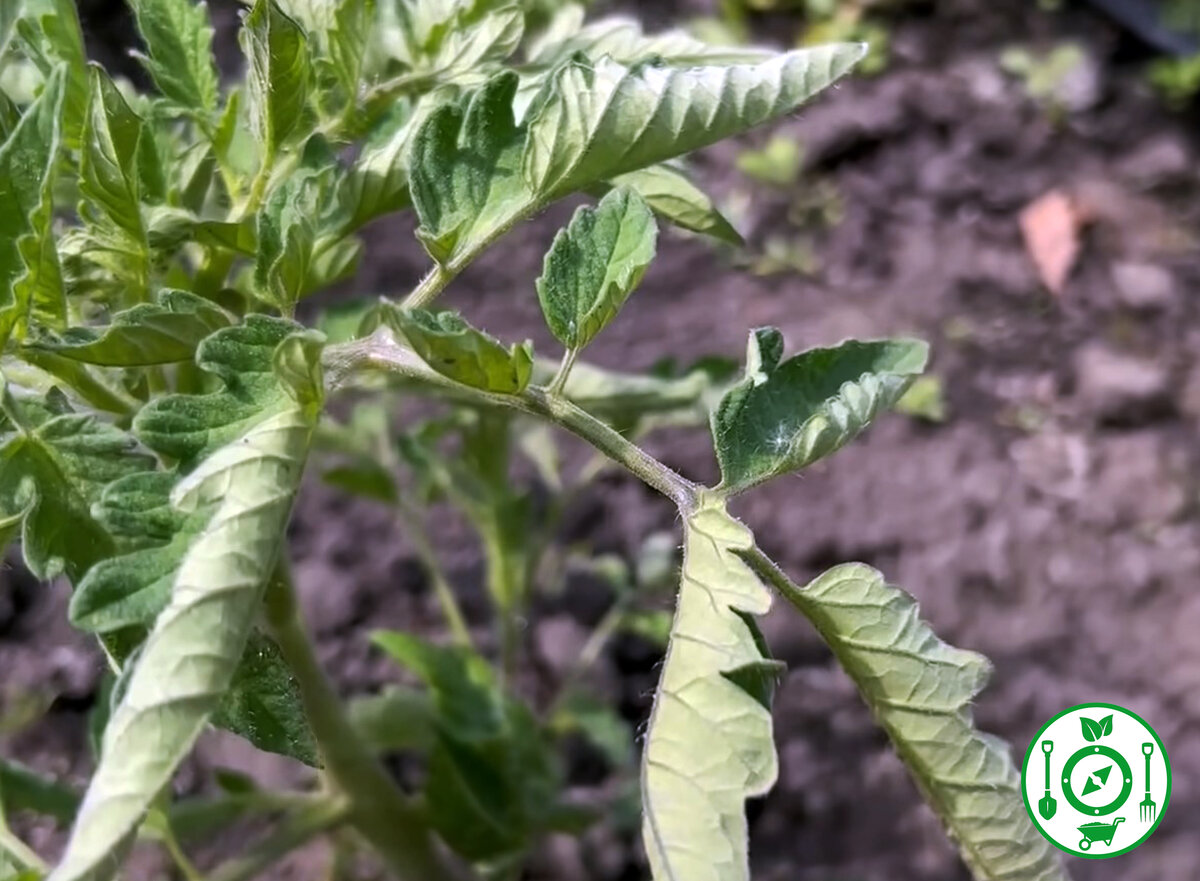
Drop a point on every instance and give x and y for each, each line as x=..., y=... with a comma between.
x=52, y=469
x=22, y=789
x=278, y=78
x=785, y=416
x=594, y=265
x=1092, y=730
x=455, y=349
x=162, y=333
x=1106, y=725
x=178, y=39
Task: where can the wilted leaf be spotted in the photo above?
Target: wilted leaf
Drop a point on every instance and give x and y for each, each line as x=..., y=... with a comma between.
x=709, y=744
x=594, y=265
x=243, y=464
x=785, y=416
x=1051, y=227
x=920, y=690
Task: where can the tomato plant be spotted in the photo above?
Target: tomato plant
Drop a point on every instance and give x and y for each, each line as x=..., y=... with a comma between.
x=161, y=403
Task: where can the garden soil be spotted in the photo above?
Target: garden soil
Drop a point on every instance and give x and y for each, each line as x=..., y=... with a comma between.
x=1051, y=521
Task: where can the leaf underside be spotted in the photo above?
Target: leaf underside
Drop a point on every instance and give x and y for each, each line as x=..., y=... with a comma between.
x=920, y=690
x=243, y=450
x=709, y=745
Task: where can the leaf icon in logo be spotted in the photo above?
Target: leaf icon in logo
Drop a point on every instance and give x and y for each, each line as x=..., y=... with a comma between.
x=1093, y=730
x=1106, y=725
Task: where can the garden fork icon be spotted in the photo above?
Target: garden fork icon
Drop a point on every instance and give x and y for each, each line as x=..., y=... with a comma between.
x=1147, y=807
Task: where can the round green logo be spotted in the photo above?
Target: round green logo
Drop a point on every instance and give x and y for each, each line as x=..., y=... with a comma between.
x=1083, y=777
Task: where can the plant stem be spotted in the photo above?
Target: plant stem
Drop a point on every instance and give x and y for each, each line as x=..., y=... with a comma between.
x=415, y=530
x=19, y=850
x=377, y=809
x=564, y=370
x=295, y=831
x=381, y=352
x=434, y=282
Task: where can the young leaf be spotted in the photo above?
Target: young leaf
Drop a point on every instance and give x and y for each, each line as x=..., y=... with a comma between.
x=30, y=276
x=603, y=119
x=51, y=33
x=444, y=41
x=53, y=466
x=594, y=265
x=455, y=349
x=709, y=745
x=162, y=333
x=785, y=416
x=348, y=39
x=464, y=171
x=245, y=467
x=278, y=78
x=286, y=237
x=178, y=38
x=920, y=690
x=671, y=194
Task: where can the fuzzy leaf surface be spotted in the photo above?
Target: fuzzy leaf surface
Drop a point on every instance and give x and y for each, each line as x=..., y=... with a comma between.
x=785, y=416
x=603, y=119
x=244, y=468
x=709, y=746
x=594, y=265
x=920, y=690
x=54, y=463
x=278, y=75
x=179, y=56
x=160, y=333
x=455, y=349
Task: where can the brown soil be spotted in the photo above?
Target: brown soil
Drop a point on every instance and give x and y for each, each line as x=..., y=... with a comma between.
x=1051, y=522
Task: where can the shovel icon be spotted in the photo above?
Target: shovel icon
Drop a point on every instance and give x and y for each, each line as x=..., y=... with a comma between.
x=1047, y=806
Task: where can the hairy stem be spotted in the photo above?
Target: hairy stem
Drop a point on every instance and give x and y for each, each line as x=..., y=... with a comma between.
x=377, y=809
x=380, y=351
x=434, y=282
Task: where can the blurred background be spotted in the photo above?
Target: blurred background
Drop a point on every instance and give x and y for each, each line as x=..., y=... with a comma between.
x=1015, y=182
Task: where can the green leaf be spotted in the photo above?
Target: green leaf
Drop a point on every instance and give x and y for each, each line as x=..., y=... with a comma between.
x=785, y=416
x=920, y=690
x=603, y=119
x=53, y=466
x=51, y=33
x=1106, y=725
x=623, y=40
x=493, y=785
x=243, y=464
x=278, y=78
x=286, y=238
x=446, y=41
x=377, y=184
x=594, y=265
x=709, y=745
x=464, y=171
x=178, y=38
x=22, y=789
x=455, y=349
x=30, y=276
x=1091, y=729
x=162, y=333
x=672, y=195
x=348, y=39
x=397, y=719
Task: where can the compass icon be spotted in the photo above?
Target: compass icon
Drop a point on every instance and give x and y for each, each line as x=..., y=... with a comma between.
x=1091, y=774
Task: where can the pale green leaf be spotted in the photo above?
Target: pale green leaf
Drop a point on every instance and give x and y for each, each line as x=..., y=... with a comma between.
x=709, y=744
x=30, y=276
x=278, y=78
x=285, y=235
x=348, y=38
x=785, y=416
x=603, y=118
x=594, y=265
x=53, y=466
x=920, y=690
x=247, y=478
x=455, y=349
x=447, y=39
x=623, y=40
x=178, y=39
x=377, y=183
x=160, y=333
x=673, y=196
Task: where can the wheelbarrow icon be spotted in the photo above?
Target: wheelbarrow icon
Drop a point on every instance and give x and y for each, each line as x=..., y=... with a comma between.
x=1099, y=832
